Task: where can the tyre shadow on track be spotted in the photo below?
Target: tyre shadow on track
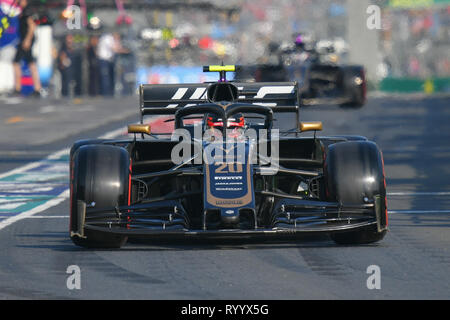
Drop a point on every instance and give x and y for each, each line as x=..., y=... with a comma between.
x=59, y=241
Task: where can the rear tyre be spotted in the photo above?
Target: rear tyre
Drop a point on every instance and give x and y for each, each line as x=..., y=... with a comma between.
x=354, y=174
x=100, y=175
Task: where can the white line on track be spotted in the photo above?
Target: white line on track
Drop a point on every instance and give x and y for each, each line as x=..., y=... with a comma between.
x=415, y=194
x=418, y=211
x=48, y=217
x=59, y=198
x=51, y=203
x=21, y=169
x=114, y=133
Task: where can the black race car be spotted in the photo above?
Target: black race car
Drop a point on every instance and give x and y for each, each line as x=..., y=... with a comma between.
x=322, y=79
x=226, y=171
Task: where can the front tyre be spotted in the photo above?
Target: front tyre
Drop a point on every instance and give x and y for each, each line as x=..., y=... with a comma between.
x=100, y=176
x=354, y=174
x=369, y=235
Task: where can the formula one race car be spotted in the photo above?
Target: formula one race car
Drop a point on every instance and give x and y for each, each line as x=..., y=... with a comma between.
x=225, y=169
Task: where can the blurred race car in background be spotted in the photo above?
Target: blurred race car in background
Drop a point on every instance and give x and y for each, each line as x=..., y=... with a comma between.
x=316, y=67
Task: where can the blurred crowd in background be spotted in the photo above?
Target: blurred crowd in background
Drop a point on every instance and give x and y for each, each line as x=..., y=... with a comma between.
x=416, y=42
x=119, y=43
x=102, y=58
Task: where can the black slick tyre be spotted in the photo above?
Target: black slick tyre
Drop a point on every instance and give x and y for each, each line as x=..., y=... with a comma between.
x=354, y=174
x=99, y=177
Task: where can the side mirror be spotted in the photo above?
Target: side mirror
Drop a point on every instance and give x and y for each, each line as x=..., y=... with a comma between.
x=139, y=128
x=310, y=126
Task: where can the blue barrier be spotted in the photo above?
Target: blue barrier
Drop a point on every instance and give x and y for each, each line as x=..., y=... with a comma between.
x=175, y=74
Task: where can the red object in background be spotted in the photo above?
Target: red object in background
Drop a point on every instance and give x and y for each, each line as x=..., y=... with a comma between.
x=27, y=81
x=123, y=16
x=428, y=22
x=257, y=11
x=124, y=19
x=205, y=43
x=154, y=79
x=174, y=43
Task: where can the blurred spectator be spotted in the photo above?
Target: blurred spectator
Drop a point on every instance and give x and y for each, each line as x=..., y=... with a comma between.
x=105, y=53
x=414, y=67
x=108, y=47
x=66, y=65
x=69, y=65
x=125, y=66
x=26, y=39
x=94, y=66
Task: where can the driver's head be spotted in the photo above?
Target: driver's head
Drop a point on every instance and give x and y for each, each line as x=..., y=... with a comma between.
x=299, y=41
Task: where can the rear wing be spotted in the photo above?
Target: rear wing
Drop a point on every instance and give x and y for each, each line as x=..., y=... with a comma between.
x=160, y=99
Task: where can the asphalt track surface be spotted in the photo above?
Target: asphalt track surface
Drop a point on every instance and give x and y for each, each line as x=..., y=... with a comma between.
x=413, y=258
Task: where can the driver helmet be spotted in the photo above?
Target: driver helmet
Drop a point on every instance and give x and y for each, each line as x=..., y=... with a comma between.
x=235, y=121
x=235, y=124
x=299, y=41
